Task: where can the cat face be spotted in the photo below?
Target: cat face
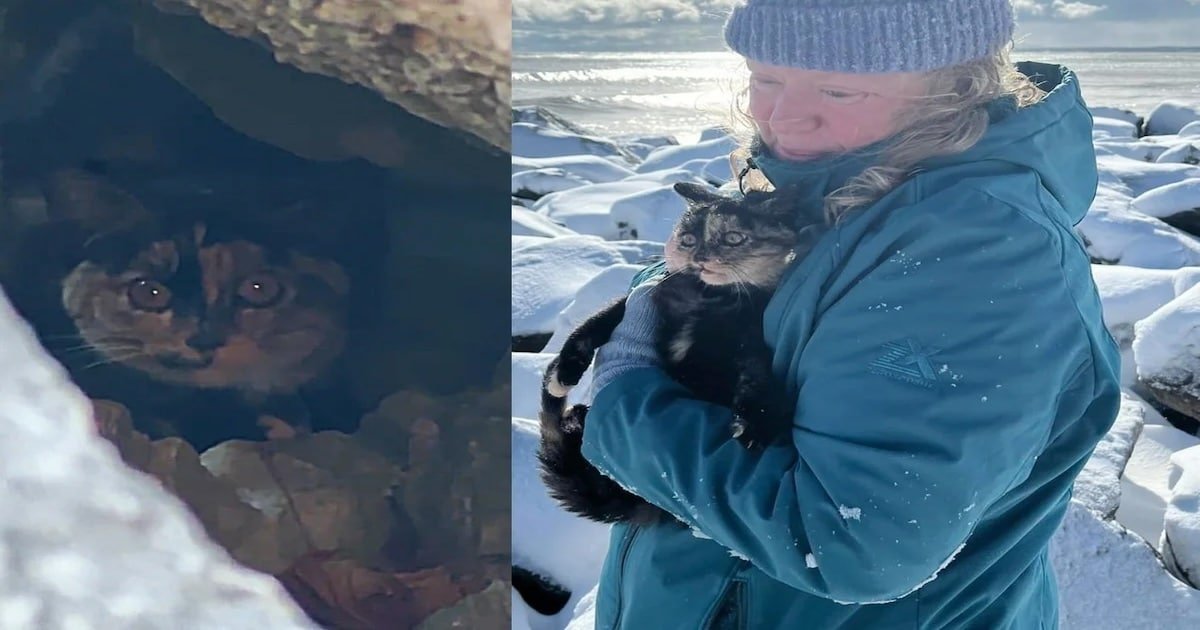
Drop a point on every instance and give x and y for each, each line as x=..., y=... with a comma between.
x=203, y=307
x=725, y=241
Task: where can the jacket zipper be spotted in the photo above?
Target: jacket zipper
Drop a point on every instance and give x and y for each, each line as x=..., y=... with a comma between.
x=634, y=530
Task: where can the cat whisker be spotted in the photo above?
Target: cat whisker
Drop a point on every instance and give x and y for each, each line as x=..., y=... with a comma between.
x=114, y=359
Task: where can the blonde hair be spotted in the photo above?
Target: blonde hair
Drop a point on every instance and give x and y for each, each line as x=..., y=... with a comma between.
x=950, y=118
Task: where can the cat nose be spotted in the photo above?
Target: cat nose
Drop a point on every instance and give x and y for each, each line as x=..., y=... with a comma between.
x=205, y=340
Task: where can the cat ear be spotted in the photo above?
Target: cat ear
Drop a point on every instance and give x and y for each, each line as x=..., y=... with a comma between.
x=696, y=194
x=90, y=201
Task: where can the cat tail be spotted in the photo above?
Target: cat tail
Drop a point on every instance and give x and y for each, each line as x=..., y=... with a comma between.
x=577, y=485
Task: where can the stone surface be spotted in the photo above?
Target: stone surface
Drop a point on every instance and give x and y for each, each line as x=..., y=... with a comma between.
x=87, y=542
x=447, y=62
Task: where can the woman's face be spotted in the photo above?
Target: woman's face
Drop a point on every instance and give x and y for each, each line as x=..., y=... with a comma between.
x=801, y=114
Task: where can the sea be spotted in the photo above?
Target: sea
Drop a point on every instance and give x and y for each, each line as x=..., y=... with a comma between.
x=627, y=94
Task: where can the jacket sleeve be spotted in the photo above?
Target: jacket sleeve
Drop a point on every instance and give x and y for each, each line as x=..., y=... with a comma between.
x=926, y=389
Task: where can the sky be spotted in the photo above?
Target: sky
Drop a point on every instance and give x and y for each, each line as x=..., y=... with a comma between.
x=565, y=25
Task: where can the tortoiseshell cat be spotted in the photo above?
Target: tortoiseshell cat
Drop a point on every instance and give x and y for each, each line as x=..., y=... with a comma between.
x=208, y=325
x=728, y=254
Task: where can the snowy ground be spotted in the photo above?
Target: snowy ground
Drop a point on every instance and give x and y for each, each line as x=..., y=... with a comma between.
x=588, y=211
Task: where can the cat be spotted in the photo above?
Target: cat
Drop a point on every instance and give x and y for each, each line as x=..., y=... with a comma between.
x=208, y=323
x=727, y=255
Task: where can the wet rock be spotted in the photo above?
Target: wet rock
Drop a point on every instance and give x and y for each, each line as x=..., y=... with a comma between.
x=485, y=610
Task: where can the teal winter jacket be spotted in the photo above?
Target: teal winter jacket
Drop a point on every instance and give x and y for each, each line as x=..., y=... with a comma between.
x=952, y=374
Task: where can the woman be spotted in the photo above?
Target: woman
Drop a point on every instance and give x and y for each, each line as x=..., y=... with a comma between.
x=943, y=342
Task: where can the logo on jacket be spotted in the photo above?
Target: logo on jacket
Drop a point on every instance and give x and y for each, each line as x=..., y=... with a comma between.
x=906, y=361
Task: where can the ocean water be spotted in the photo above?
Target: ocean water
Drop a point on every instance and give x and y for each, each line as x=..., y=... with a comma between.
x=679, y=93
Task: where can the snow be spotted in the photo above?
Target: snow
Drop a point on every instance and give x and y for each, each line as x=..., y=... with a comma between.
x=572, y=256
x=590, y=168
x=567, y=549
x=87, y=542
x=546, y=275
x=532, y=140
x=1190, y=129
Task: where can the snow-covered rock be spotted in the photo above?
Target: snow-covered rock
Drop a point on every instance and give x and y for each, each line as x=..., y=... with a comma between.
x=1190, y=129
x=1169, y=117
x=713, y=133
x=1164, y=343
x=587, y=209
x=1116, y=113
x=1130, y=294
x=649, y=215
x=671, y=157
x=604, y=289
x=1138, y=150
x=1181, y=153
x=526, y=222
x=1169, y=200
x=1099, y=483
x=1116, y=234
x=1109, y=579
x=86, y=541
x=544, y=181
x=1181, y=523
x=542, y=117
x=547, y=274
x=1113, y=128
x=1145, y=485
x=590, y=168
x=1141, y=177
x=531, y=140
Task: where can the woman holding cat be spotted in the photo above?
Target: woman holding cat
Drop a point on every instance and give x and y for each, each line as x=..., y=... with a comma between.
x=943, y=344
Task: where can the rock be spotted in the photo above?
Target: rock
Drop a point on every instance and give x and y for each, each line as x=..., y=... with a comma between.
x=1181, y=523
x=91, y=543
x=542, y=117
x=487, y=610
x=321, y=492
x=1114, y=234
x=1099, y=483
x=1169, y=117
x=1162, y=347
x=311, y=115
x=587, y=209
x=449, y=63
x=1190, y=129
x=1141, y=177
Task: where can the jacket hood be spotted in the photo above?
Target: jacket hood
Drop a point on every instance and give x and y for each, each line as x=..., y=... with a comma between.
x=1052, y=137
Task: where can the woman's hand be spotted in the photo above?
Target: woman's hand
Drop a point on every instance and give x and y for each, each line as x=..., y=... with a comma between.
x=632, y=343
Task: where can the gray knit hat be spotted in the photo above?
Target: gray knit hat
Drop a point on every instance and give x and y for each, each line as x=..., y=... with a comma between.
x=869, y=35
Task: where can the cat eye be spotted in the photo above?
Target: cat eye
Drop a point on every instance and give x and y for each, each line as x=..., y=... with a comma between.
x=687, y=240
x=148, y=295
x=260, y=290
x=733, y=238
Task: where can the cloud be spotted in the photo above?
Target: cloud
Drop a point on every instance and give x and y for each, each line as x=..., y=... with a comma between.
x=1076, y=10
x=1032, y=7
x=619, y=11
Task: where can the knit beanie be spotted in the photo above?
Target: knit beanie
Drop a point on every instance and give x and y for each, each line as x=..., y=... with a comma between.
x=859, y=36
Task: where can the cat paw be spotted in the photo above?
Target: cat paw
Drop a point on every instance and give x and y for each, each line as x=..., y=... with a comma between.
x=111, y=418
x=554, y=384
